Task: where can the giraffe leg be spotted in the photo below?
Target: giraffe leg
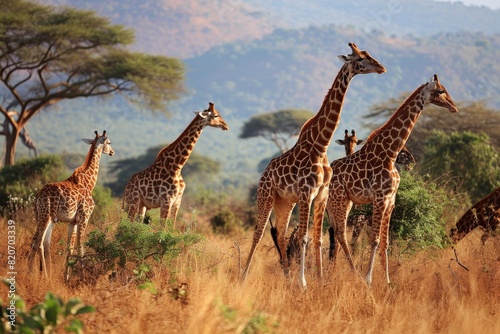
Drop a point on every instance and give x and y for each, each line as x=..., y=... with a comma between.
x=338, y=210
x=384, y=240
x=319, y=212
x=304, y=209
x=72, y=232
x=37, y=244
x=378, y=210
x=166, y=211
x=45, y=250
x=282, y=211
x=265, y=203
x=176, y=204
x=357, y=228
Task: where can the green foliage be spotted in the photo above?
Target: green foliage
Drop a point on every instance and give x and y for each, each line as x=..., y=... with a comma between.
x=465, y=161
x=278, y=126
x=419, y=217
x=73, y=53
x=260, y=322
x=20, y=182
x=225, y=222
x=131, y=249
x=103, y=200
x=50, y=316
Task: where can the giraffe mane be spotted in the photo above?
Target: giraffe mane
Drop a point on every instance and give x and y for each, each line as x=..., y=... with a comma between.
x=394, y=115
x=89, y=156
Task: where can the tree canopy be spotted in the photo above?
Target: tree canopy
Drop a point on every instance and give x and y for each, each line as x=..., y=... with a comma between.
x=49, y=54
x=278, y=126
x=464, y=160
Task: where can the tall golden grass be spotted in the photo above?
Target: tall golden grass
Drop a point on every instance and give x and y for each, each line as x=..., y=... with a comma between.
x=431, y=291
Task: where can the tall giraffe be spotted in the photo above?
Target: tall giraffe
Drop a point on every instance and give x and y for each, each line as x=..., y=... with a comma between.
x=301, y=174
x=161, y=184
x=485, y=213
x=404, y=158
x=68, y=201
x=369, y=175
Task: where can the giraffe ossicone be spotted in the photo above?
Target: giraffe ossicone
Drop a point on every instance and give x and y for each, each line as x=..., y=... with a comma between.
x=68, y=201
x=161, y=185
x=369, y=175
x=301, y=175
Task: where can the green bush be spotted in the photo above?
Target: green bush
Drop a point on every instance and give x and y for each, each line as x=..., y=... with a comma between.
x=419, y=217
x=130, y=250
x=50, y=316
x=225, y=222
x=103, y=200
x=21, y=181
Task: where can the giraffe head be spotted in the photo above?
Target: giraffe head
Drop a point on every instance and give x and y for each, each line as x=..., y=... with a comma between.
x=101, y=143
x=436, y=94
x=362, y=62
x=405, y=158
x=212, y=117
x=349, y=142
x=455, y=235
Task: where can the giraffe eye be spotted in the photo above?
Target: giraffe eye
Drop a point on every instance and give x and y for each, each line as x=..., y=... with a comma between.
x=359, y=59
x=440, y=91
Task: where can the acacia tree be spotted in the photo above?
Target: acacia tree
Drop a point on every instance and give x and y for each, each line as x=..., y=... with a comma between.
x=49, y=54
x=278, y=126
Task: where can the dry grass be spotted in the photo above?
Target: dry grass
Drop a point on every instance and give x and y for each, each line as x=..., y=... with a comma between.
x=431, y=292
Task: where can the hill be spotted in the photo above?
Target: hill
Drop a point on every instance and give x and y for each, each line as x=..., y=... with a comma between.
x=189, y=28
x=278, y=69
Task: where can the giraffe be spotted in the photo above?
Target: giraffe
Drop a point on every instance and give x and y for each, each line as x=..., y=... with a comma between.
x=485, y=213
x=301, y=174
x=357, y=223
x=404, y=158
x=68, y=201
x=161, y=184
x=369, y=175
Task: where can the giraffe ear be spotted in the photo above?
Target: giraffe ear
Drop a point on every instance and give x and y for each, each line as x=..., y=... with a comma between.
x=344, y=58
x=360, y=141
x=88, y=141
x=205, y=113
x=340, y=142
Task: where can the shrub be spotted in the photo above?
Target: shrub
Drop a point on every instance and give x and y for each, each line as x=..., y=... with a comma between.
x=225, y=222
x=419, y=216
x=22, y=180
x=47, y=317
x=103, y=201
x=130, y=251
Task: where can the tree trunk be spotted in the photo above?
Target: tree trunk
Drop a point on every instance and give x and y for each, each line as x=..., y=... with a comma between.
x=10, y=146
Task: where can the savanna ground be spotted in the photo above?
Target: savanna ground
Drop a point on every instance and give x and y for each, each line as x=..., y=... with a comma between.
x=431, y=292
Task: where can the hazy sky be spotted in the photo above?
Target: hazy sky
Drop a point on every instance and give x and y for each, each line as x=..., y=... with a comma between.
x=494, y=4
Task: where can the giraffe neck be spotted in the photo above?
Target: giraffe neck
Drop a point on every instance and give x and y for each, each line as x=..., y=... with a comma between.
x=317, y=132
x=392, y=136
x=86, y=174
x=177, y=153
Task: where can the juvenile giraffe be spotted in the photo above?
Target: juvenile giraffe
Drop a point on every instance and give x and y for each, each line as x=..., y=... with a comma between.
x=301, y=174
x=485, y=213
x=68, y=201
x=404, y=158
x=161, y=185
x=369, y=175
